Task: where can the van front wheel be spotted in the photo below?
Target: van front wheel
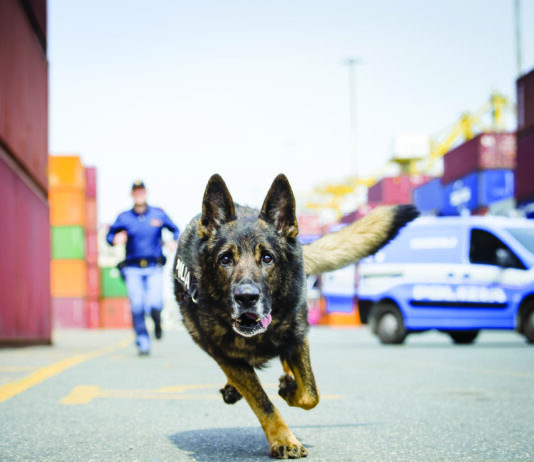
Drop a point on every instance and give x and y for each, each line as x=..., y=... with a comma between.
x=528, y=325
x=388, y=324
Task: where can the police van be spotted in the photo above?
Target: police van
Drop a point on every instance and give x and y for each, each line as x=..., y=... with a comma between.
x=455, y=274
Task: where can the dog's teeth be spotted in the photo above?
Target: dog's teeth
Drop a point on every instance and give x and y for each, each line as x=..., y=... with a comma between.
x=258, y=320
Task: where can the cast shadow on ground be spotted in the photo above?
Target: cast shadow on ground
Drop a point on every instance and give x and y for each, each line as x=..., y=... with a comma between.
x=237, y=443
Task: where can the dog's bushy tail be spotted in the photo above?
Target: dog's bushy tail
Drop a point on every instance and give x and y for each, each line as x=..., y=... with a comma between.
x=357, y=240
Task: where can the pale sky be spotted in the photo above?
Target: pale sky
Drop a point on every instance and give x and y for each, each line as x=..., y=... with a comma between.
x=174, y=91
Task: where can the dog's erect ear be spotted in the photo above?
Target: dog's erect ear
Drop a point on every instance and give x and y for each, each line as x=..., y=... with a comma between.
x=279, y=207
x=217, y=206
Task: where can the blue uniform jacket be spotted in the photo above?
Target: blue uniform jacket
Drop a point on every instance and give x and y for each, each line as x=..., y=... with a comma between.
x=144, y=232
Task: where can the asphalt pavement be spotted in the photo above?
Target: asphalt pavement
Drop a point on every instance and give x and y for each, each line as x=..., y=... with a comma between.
x=90, y=397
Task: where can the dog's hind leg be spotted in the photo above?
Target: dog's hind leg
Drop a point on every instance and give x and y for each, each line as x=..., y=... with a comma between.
x=230, y=394
x=297, y=385
x=283, y=444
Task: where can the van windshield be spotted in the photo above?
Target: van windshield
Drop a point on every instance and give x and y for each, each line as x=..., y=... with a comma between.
x=525, y=236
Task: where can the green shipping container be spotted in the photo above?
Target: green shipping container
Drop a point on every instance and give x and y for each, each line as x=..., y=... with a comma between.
x=68, y=242
x=111, y=283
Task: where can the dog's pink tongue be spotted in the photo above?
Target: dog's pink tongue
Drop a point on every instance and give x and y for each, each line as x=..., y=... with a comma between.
x=266, y=321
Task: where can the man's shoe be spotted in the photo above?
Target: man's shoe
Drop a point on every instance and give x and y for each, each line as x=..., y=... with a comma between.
x=157, y=331
x=143, y=344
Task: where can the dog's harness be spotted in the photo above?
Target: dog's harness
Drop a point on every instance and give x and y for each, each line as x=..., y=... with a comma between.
x=187, y=283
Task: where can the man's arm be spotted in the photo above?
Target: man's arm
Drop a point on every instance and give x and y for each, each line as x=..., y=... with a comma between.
x=117, y=233
x=169, y=224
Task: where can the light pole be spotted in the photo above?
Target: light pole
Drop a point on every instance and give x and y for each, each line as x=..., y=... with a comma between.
x=351, y=65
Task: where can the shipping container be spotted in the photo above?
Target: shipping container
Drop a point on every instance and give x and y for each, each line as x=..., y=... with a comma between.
x=90, y=182
x=91, y=215
x=66, y=173
x=114, y=313
x=67, y=208
x=524, y=179
x=68, y=278
x=37, y=15
x=395, y=190
x=91, y=247
x=69, y=312
x=93, y=281
x=111, y=283
x=525, y=104
x=475, y=192
x=25, y=311
x=68, y=242
x=428, y=198
x=487, y=151
x=93, y=308
x=23, y=93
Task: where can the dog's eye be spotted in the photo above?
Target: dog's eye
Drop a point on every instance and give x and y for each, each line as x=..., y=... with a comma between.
x=267, y=258
x=225, y=259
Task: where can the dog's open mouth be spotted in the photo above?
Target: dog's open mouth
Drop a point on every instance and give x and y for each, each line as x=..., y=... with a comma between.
x=249, y=324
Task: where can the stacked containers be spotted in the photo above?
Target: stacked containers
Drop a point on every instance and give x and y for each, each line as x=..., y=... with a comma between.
x=91, y=248
x=525, y=144
x=68, y=221
x=395, y=190
x=479, y=173
x=24, y=234
x=114, y=304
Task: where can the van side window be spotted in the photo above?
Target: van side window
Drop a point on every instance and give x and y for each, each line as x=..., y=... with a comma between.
x=487, y=249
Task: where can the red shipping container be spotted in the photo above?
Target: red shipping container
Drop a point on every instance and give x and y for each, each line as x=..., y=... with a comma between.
x=114, y=313
x=93, y=307
x=395, y=190
x=525, y=102
x=69, y=312
x=90, y=182
x=488, y=151
x=93, y=281
x=524, y=182
x=38, y=14
x=25, y=312
x=23, y=92
x=91, y=247
x=91, y=215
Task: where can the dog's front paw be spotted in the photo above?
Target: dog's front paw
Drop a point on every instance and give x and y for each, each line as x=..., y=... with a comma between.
x=230, y=394
x=288, y=448
x=287, y=388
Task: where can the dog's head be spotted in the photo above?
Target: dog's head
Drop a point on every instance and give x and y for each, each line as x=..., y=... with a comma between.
x=251, y=260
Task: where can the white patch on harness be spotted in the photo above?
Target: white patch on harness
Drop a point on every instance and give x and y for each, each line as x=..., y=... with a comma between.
x=182, y=274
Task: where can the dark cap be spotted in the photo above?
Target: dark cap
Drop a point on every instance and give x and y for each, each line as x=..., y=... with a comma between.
x=138, y=184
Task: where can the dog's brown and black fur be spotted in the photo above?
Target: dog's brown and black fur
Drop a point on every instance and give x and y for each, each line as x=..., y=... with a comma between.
x=240, y=280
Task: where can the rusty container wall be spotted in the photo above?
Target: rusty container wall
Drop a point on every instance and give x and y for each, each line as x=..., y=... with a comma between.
x=25, y=312
x=525, y=104
x=524, y=181
x=23, y=92
x=488, y=151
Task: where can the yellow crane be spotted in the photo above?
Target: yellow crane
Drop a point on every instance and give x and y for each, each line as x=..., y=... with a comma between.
x=496, y=109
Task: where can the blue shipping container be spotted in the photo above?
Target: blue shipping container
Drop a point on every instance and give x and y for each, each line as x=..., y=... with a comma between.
x=428, y=198
x=479, y=189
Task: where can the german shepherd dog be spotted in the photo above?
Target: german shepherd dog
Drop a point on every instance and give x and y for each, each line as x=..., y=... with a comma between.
x=240, y=281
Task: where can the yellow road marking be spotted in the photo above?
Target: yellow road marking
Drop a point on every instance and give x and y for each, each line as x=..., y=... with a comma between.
x=11, y=389
x=84, y=394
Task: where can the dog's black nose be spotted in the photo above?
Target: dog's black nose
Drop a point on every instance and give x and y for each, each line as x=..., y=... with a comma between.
x=247, y=295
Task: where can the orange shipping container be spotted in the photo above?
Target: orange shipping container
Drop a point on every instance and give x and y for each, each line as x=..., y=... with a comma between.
x=91, y=215
x=66, y=173
x=114, y=313
x=68, y=278
x=67, y=208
